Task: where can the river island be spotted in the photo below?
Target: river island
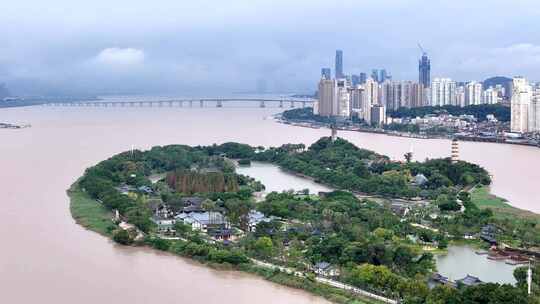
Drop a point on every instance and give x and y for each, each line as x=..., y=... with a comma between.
x=372, y=240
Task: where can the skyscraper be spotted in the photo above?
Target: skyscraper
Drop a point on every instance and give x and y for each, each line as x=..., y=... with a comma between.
x=355, y=80
x=424, y=71
x=375, y=75
x=363, y=78
x=326, y=73
x=386, y=95
x=327, y=97
x=339, y=64
x=343, y=99
x=384, y=75
x=370, y=98
x=520, y=105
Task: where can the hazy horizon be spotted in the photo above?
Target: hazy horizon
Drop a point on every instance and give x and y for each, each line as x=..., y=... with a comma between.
x=174, y=47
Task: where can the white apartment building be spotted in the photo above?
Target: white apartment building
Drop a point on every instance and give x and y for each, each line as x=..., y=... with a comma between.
x=443, y=91
x=460, y=96
x=370, y=98
x=473, y=93
x=520, y=105
x=343, y=99
x=534, y=115
x=490, y=96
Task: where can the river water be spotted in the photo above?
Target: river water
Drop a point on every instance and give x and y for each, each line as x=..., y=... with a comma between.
x=46, y=257
x=275, y=179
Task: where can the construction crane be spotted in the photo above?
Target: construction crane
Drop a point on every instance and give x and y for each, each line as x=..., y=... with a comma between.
x=421, y=49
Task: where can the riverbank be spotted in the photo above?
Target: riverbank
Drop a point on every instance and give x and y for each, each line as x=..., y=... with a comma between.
x=482, y=198
x=463, y=137
x=89, y=213
x=92, y=215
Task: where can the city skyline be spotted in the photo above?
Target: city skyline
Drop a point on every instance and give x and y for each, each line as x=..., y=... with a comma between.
x=126, y=54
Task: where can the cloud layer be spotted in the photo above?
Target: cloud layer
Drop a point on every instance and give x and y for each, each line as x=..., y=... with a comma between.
x=120, y=57
x=208, y=47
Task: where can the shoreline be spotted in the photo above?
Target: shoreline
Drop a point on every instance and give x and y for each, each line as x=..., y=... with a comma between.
x=78, y=198
x=317, y=125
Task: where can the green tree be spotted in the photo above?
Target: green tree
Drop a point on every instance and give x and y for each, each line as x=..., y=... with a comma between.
x=123, y=237
x=264, y=247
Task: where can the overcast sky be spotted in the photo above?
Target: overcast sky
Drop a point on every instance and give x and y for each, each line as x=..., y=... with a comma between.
x=186, y=47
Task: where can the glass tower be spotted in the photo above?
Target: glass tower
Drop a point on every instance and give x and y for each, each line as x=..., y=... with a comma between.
x=424, y=71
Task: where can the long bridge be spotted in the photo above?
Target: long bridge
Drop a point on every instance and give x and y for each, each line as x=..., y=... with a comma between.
x=201, y=102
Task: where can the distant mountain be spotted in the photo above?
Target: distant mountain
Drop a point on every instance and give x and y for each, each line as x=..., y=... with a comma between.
x=504, y=81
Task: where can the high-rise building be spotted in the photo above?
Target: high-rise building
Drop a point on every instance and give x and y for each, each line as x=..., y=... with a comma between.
x=490, y=96
x=424, y=71
x=417, y=98
x=378, y=115
x=398, y=94
x=534, y=118
x=386, y=95
x=356, y=97
x=334, y=98
x=473, y=93
x=343, y=99
x=443, y=92
x=327, y=105
x=326, y=73
x=363, y=78
x=370, y=98
x=375, y=75
x=355, y=80
x=460, y=96
x=383, y=76
x=520, y=105
x=339, y=64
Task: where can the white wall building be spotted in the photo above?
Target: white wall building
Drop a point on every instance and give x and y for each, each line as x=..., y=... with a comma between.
x=473, y=93
x=534, y=115
x=370, y=98
x=520, y=105
x=460, y=96
x=443, y=91
x=490, y=96
x=343, y=99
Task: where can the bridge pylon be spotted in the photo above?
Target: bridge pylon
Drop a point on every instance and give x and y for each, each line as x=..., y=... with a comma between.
x=281, y=103
x=219, y=103
x=292, y=103
x=201, y=103
x=262, y=105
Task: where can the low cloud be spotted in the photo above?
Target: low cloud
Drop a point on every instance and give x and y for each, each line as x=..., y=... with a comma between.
x=120, y=56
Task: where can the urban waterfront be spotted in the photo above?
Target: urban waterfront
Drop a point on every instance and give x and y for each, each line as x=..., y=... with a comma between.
x=41, y=162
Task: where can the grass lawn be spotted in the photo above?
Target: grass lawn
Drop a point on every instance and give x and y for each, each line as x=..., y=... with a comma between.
x=484, y=199
x=89, y=213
